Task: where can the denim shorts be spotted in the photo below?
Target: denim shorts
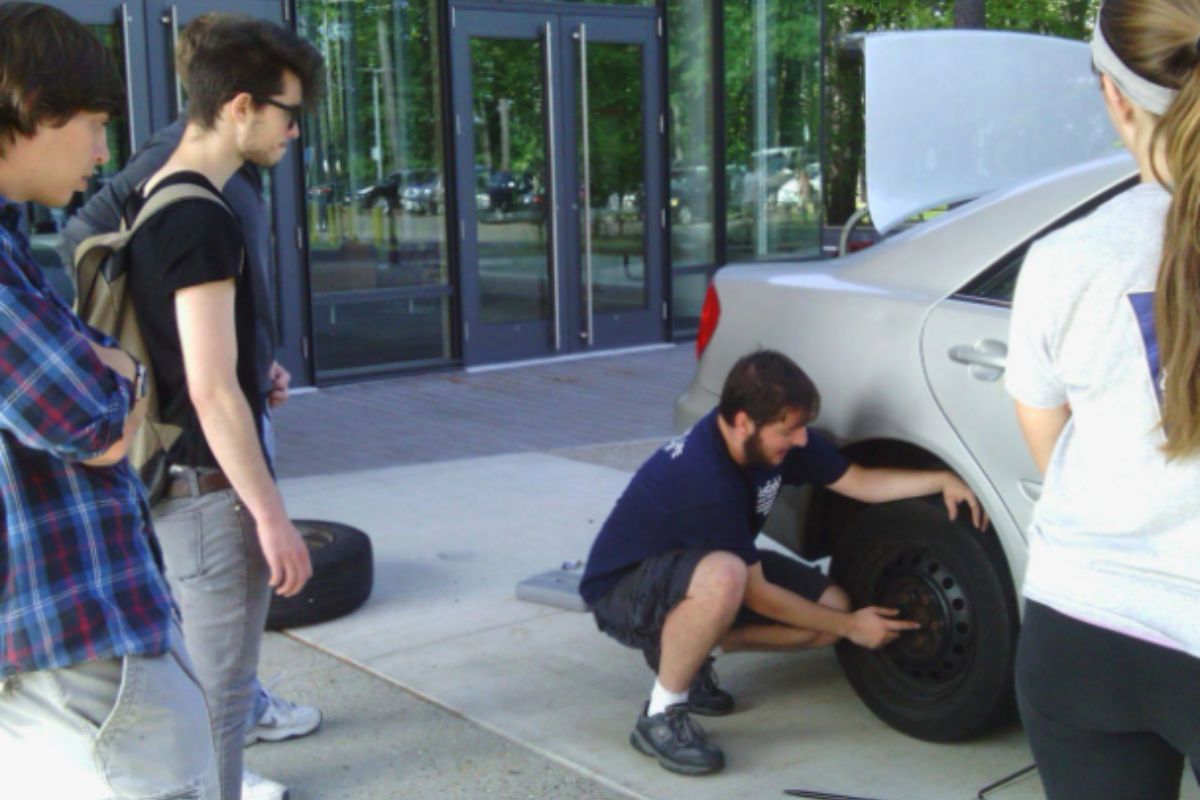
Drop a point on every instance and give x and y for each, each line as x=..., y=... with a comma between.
x=635, y=609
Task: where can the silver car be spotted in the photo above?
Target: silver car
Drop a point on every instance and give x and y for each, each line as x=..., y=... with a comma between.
x=907, y=342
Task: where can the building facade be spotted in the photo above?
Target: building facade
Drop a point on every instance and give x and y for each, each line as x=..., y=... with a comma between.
x=486, y=182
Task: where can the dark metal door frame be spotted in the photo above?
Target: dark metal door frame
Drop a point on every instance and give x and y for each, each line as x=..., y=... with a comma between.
x=482, y=342
x=617, y=329
x=523, y=20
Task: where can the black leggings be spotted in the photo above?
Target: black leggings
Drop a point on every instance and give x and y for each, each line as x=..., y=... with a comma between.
x=1109, y=717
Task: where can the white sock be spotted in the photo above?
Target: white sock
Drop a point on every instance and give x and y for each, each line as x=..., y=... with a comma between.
x=661, y=697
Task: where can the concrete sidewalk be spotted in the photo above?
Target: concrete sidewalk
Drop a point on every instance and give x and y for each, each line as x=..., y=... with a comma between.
x=381, y=739
x=445, y=685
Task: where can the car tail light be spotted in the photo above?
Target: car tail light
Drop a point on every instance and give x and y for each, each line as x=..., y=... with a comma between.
x=710, y=314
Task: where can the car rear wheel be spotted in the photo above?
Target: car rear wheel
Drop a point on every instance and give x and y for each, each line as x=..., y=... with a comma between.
x=953, y=678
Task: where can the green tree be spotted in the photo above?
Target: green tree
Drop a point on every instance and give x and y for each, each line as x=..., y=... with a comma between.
x=844, y=86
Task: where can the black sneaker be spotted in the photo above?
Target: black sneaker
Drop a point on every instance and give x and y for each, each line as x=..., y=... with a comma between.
x=705, y=696
x=679, y=743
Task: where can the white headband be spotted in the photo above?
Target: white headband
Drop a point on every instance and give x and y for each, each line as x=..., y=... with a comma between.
x=1141, y=92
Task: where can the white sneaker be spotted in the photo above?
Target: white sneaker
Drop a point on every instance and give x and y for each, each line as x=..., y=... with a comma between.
x=282, y=719
x=256, y=787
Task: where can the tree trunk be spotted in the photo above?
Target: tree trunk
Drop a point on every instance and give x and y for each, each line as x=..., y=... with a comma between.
x=969, y=14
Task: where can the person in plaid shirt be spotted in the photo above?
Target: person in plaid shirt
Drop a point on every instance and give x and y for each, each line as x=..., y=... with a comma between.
x=97, y=696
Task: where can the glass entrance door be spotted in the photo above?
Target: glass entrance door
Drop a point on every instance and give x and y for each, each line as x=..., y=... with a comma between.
x=557, y=187
x=616, y=232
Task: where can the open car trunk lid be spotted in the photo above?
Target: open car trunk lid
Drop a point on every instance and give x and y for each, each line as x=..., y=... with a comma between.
x=952, y=115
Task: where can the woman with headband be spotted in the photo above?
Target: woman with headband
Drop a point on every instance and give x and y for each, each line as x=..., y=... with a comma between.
x=1104, y=365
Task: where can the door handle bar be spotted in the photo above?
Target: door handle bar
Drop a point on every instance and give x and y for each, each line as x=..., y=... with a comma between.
x=587, y=188
x=556, y=286
x=173, y=21
x=978, y=356
x=126, y=47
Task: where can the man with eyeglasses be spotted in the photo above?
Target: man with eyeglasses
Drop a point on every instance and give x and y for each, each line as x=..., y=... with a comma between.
x=271, y=717
x=225, y=535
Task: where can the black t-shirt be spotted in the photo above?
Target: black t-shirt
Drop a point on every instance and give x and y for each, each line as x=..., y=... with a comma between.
x=189, y=243
x=691, y=495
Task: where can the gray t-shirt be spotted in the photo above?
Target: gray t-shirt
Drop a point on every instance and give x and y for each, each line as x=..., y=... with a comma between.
x=1115, y=538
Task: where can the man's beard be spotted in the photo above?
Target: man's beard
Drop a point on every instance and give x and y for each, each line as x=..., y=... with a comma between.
x=752, y=449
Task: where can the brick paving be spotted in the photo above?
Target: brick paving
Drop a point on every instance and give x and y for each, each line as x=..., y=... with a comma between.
x=451, y=415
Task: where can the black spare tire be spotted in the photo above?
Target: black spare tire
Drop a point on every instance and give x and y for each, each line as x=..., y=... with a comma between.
x=953, y=678
x=343, y=574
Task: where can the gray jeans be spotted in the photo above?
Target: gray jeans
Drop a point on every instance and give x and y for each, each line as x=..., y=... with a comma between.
x=218, y=576
x=132, y=727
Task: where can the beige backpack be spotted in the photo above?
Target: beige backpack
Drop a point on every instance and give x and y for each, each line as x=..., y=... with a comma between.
x=102, y=300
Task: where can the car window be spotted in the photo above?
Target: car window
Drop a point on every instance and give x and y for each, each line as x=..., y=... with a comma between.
x=996, y=284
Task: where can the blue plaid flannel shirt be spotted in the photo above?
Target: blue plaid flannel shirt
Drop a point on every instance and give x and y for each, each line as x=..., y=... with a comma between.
x=78, y=580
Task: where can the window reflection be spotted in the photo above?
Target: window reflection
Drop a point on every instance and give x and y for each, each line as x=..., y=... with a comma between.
x=773, y=174
x=510, y=177
x=616, y=171
x=375, y=187
x=693, y=244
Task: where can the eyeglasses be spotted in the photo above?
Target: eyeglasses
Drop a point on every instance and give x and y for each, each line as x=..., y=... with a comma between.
x=295, y=113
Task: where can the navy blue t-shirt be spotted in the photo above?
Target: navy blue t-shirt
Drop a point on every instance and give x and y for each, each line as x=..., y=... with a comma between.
x=691, y=495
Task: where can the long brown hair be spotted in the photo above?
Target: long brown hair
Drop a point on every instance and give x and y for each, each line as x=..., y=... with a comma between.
x=1160, y=40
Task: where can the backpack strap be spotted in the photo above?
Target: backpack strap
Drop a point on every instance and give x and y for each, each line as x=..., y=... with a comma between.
x=110, y=242
x=169, y=196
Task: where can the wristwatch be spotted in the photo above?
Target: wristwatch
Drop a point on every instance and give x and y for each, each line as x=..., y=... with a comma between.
x=140, y=385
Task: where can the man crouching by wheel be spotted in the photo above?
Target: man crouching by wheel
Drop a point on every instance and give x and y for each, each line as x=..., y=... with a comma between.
x=674, y=571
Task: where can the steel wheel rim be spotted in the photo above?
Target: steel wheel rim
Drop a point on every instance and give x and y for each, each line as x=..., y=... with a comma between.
x=933, y=660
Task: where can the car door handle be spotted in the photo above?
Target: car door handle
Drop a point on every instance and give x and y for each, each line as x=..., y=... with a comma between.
x=986, y=359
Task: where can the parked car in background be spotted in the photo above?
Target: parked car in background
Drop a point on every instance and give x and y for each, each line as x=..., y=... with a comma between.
x=390, y=194
x=425, y=193
x=502, y=189
x=531, y=199
x=387, y=193
x=326, y=194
